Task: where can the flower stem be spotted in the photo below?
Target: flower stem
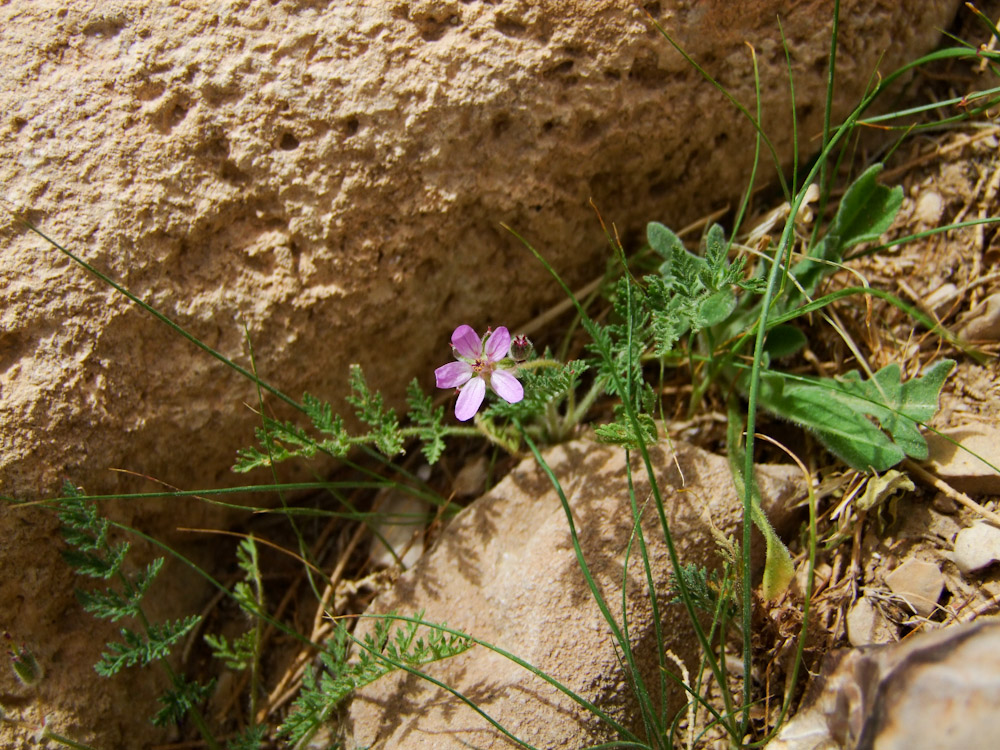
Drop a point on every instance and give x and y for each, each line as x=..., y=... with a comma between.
x=534, y=364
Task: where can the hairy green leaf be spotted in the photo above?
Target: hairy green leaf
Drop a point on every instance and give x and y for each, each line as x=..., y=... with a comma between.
x=784, y=340
x=837, y=412
x=865, y=212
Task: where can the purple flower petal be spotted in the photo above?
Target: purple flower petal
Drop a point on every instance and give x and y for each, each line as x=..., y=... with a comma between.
x=507, y=386
x=498, y=345
x=470, y=398
x=452, y=374
x=466, y=342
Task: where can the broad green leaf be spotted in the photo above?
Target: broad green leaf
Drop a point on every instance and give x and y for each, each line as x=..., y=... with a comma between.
x=715, y=308
x=838, y=412
x=865, y=212
x=784, y=340
x=663, y=241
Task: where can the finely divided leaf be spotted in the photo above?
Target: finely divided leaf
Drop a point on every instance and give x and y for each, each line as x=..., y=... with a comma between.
x=322, y=692
x=691, y=293
x=429, y=419
x=541, y=388
x=370, y=408
x=136, y=648
x=181, y=698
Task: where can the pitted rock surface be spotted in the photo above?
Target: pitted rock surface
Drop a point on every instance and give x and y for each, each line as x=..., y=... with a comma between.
x=334, y=176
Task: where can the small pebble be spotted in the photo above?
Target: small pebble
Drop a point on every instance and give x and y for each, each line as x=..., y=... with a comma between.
x=976, y=547
x=941, y=298
x=930, y=206
x=867, y=625
x=918, y=583
x=944, y=504
x=984, y=321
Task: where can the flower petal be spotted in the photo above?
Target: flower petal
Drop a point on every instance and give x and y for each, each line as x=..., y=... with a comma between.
x=507, y=386
x=452, y=374
x=498, y=345
x=470, y=398
x=466, y=342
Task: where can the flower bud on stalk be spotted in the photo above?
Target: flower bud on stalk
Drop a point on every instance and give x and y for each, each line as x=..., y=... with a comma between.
x=521, y=349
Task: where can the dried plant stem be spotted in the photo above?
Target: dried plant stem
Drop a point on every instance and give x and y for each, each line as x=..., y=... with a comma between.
x=287, y=686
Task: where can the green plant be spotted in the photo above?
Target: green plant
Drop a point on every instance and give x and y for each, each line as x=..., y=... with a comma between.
x=379, y=652
x=91, y=553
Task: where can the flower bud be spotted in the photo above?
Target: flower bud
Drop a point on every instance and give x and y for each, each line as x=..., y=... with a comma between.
x=521, y=348
x=25, y=665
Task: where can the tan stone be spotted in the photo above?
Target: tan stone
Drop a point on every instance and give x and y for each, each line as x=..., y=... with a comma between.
x=918, y=584
x=936, y=689
x=965, y=456
x=505, y=571
x=334, y=177
x=976, y=547
x=866, y=625
x=983, y=324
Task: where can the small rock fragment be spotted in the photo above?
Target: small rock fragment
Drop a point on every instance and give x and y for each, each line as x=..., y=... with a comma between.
x=976, y=547
x=936, y=690
x=929, y=207
x=941, y=298
x=918, y=583
x=944, y=504
x=955, y=463
x=401, y=524
x=984, y=322
x=866, y=625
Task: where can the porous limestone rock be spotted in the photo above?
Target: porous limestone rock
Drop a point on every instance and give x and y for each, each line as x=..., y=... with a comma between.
x=333, y=177
x=505, y=571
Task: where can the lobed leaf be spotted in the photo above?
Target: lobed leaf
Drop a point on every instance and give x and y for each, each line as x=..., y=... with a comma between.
x=837, y=411
x=181, y=698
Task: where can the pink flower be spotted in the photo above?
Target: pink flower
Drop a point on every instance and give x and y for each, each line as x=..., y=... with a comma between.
x=479, y=365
